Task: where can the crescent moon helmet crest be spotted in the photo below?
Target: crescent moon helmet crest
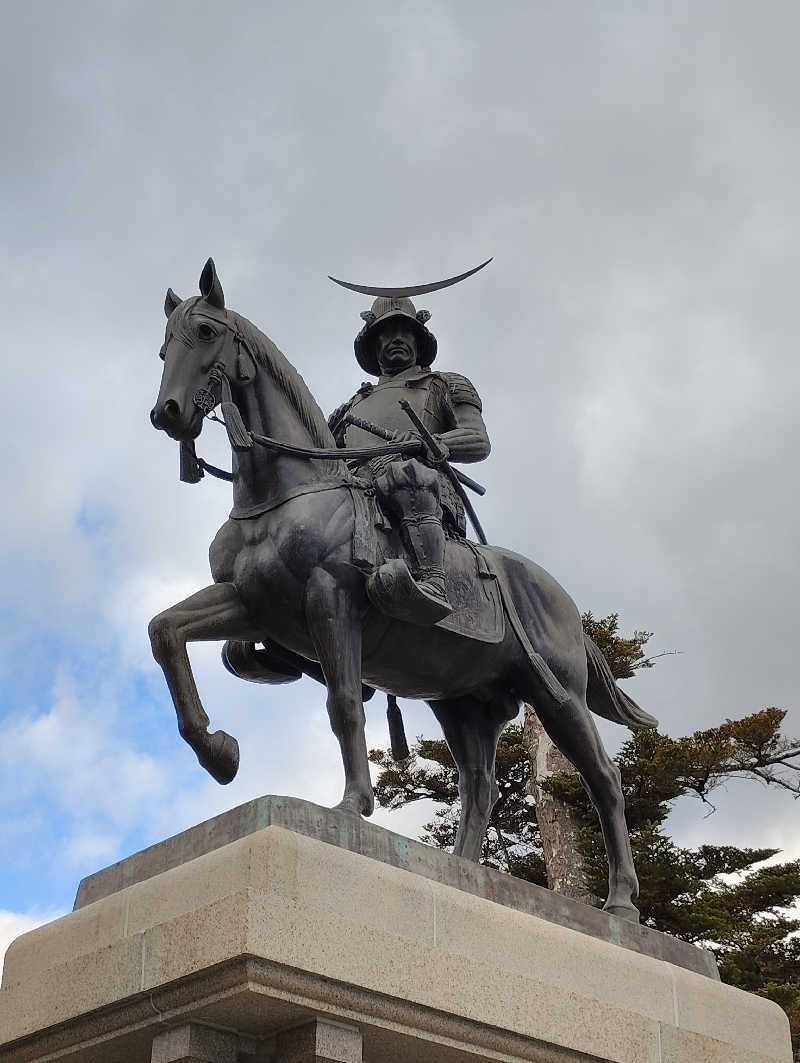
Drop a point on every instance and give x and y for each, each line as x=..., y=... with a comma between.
x=409, y=291
x=394, y=302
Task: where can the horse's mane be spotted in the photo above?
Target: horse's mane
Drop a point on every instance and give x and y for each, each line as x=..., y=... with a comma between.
x=286, y=377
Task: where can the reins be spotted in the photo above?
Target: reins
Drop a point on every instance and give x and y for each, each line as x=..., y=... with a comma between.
x=339, y=453
x=193, y=467
x=342, y=453
x=190, y=458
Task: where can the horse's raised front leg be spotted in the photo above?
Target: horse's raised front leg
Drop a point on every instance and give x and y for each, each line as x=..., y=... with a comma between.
x=214, y=613
x=333, y=613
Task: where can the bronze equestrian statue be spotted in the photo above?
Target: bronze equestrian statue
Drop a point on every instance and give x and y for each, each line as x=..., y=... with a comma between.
x=336, y=561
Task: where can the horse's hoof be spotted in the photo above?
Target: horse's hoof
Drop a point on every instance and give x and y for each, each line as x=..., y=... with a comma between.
x=221, y=759
x=623, y=911
x=358, y=804
x=471, y=853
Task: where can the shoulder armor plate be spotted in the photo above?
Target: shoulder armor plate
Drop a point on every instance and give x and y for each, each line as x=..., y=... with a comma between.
x=338, y=415
x=336, y=418
x=462, y=390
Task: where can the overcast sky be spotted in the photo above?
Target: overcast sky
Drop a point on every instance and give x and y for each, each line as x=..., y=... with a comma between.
x=632, y=167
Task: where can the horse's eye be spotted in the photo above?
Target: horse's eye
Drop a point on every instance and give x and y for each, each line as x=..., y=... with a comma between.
x=163, y=352
x=206, y=332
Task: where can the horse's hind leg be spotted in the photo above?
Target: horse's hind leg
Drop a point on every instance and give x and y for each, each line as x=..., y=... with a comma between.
x=214, y=613
x=572, y=729
x=471, y=729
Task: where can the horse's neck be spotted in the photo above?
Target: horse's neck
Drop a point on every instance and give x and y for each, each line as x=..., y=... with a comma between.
x=261, y=475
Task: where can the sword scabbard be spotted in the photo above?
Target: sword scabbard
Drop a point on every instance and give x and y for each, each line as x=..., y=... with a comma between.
x=439, y=459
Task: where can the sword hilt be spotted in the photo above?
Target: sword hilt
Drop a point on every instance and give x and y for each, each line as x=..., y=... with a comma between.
x=384, y=433
x=367, y=426
x=428, y=439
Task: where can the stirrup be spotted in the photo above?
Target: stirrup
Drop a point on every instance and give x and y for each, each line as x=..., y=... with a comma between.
x=393, y=590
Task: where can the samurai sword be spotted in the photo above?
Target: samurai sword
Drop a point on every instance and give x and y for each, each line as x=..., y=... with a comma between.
x=384, y=433
x=439, y=459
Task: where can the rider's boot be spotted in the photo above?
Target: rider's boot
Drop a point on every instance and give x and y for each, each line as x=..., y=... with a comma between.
x=418, y=596
x=424, y=537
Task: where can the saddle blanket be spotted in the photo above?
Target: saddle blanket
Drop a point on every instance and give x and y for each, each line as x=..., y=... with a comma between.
x=474, y=595
x=472, y=587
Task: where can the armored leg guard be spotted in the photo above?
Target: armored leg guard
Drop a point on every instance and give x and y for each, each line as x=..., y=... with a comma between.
x=418, y=596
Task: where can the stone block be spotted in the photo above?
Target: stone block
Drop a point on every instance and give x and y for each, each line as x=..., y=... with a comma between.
x=283, y=941
x=682, y=1046
x=81, y=933
x=349, y=832
x=195, y=1044
x=557, y=957
x=735, y=1017
x=63, y=990
x=189, y=887
x=194, y=941
x=319, y=1041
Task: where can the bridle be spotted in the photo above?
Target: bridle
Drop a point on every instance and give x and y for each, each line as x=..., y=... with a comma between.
x=217, y=391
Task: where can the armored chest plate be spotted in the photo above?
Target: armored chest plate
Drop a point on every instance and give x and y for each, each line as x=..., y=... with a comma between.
x=425, y=392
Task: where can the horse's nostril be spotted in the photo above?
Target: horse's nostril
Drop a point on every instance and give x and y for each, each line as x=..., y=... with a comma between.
x=165, y=415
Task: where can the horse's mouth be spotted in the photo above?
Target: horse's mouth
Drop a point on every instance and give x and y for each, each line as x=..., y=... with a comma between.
x=184, y=435
x=179, y=430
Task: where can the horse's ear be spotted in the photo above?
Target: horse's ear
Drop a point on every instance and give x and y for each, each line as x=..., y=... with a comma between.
x=171, y=302
x=210, y=287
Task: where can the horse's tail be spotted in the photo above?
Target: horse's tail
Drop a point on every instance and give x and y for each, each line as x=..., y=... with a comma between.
x=243, y=660
x=274, y=664
x=606, y=699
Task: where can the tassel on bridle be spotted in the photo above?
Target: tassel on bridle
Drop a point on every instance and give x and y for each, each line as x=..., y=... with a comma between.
x=240, y=438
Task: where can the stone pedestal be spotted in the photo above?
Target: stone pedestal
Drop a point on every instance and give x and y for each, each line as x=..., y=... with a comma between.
x=246, y=941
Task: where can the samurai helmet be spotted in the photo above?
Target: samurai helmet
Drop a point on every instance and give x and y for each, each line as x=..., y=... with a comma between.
x=384, y=308
x=396, y=302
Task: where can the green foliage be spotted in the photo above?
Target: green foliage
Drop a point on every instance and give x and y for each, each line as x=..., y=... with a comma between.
x=402, y=782
x=512, y=840
x=713, y=894
x=624, y=656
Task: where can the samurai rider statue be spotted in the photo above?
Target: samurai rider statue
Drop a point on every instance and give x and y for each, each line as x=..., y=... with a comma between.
x=396, y=346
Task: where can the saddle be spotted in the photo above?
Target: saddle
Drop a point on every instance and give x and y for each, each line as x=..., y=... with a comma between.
x=472, y=586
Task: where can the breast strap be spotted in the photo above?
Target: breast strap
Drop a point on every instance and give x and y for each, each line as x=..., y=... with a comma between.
x=248, y=512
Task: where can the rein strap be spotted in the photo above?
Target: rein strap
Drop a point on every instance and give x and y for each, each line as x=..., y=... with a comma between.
x=341, y=453
x=241, y=439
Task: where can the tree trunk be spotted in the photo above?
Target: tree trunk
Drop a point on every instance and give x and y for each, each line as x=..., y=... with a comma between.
x=557, y=826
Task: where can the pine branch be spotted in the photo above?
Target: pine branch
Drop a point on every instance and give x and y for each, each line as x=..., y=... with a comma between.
x=647, y=662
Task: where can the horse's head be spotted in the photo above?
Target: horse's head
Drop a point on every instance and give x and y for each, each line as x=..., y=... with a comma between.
x=201, y=344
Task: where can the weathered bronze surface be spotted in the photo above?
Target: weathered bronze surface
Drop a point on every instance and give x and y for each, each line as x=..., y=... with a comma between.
x=351, y=565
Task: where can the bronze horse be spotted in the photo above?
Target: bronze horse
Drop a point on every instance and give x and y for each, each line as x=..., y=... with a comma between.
x=283, y=575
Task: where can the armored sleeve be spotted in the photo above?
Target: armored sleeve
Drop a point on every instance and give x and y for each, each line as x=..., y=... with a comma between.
x=462, y=391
